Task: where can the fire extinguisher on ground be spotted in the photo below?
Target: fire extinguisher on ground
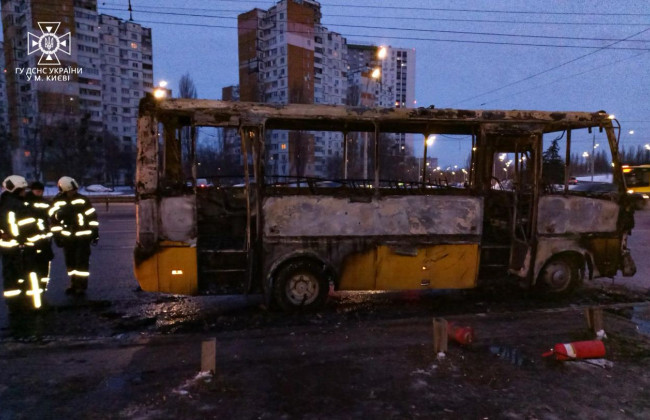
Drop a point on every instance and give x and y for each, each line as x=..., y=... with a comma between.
x=592, y=349
x=460, y=334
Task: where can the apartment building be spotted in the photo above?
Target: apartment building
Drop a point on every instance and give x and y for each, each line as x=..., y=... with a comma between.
x=127, y=74
x=72, y=81
x=383, y=76
x=287, y=56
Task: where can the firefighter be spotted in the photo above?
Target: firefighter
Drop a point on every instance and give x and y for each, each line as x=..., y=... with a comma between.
x=40, y=207
x=20, y=235
x=75, y=228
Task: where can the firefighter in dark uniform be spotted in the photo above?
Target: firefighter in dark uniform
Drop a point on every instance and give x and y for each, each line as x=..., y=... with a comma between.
x=41, y=206
x=21, y=233
x=75, y=228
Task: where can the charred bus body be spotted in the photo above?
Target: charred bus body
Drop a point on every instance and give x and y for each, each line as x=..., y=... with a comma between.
x=291, y=240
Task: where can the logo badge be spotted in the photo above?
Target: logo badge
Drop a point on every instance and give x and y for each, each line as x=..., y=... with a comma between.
x=49, y=44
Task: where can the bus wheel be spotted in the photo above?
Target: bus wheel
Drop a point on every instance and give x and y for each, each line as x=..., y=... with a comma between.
x=560, y=275
x=301, y=285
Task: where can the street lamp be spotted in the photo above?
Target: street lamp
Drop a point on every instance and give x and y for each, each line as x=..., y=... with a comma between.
x=381, y=53
x=161, y=91
x=427, y=143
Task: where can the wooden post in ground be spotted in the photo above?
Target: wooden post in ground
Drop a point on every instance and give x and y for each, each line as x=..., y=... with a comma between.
x=594, y=319
x=209, y=355
x=439, y=335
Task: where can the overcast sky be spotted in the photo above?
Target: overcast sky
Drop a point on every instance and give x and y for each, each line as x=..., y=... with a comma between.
x=470, y=54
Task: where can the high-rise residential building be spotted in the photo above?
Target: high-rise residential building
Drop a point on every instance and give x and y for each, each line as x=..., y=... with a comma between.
x=127, y=73
x=58, y=70
x=4, y=112
x=287, y=56
x=383, y=76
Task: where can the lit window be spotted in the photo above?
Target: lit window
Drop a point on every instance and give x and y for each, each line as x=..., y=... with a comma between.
x=283, y=146
x=134, y=45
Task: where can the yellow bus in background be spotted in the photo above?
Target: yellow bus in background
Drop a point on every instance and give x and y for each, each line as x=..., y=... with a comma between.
x=637, y=179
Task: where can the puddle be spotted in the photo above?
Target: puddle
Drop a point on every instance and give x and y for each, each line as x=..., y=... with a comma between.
x=641, y=317
x=115, y=383
x=510, y=354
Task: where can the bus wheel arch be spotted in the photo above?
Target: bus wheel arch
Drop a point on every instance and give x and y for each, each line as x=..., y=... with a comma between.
x=562, y=273
x=301, y=283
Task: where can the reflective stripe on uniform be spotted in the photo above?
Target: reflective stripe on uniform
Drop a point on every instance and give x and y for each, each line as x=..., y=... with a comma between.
x=93, y=223
x=65, y=233
x=42, y=205
x=35, y=291
x=83, y=233
x=23, y=222
x=56, y=207
x=11, y=219
x=11, y=293
x=78, y=201
x=56, y=228
x=89, y=211
x=8, y=244
x=79, y=273
x=80, y=219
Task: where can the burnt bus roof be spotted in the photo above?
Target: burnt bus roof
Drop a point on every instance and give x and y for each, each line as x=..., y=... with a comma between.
x=205, y=112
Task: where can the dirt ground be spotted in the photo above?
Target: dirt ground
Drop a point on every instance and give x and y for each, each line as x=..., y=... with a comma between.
x=362, y=357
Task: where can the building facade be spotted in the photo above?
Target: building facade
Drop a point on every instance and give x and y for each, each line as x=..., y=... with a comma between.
x=287, y=56
x=383, y=76
x=58, y=87
x=127, y=74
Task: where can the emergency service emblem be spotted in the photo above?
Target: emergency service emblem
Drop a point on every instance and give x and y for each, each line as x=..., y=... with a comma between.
x=48, y=43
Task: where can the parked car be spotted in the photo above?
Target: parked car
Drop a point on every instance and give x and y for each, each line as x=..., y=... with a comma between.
x=98, y=188
x=639, y=199
x=202, y=183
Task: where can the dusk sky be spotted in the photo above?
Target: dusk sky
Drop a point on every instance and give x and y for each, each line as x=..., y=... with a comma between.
x=499, y=54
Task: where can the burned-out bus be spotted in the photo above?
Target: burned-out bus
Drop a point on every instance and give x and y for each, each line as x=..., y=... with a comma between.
x=292, y=236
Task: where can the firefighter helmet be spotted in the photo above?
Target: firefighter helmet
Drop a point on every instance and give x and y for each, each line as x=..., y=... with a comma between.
x=67, y=183
x=14, y=182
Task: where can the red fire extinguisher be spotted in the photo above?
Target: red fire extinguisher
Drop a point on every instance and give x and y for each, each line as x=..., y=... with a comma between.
x=592, y=349
x=460, y=334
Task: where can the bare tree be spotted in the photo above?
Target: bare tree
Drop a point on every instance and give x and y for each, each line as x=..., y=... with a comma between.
x=72, y=149
x=187, y=89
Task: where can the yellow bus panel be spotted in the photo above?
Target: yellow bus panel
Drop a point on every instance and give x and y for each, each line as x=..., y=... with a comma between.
x=171, y=270
x=431, y=267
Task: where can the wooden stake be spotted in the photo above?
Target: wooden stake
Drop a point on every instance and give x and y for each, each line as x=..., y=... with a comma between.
x=439, y=335
x=209, y=355
x=594, y=319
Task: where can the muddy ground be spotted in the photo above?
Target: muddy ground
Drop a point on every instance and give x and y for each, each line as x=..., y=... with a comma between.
x=364, y=356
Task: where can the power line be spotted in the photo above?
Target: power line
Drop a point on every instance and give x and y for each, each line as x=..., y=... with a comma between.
x=374, y=36
x=415, y=38
x=403, y=29
x=562, y=78
x=421, y=18
x=551, y=68
x=442, y=9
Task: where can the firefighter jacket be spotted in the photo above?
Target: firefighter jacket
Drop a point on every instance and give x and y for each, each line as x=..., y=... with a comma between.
x=20, y=225
x=40, y=208
x=73, y=218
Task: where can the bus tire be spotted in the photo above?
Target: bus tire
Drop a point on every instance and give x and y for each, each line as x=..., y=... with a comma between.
x=301, y=285
x=561, y=275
